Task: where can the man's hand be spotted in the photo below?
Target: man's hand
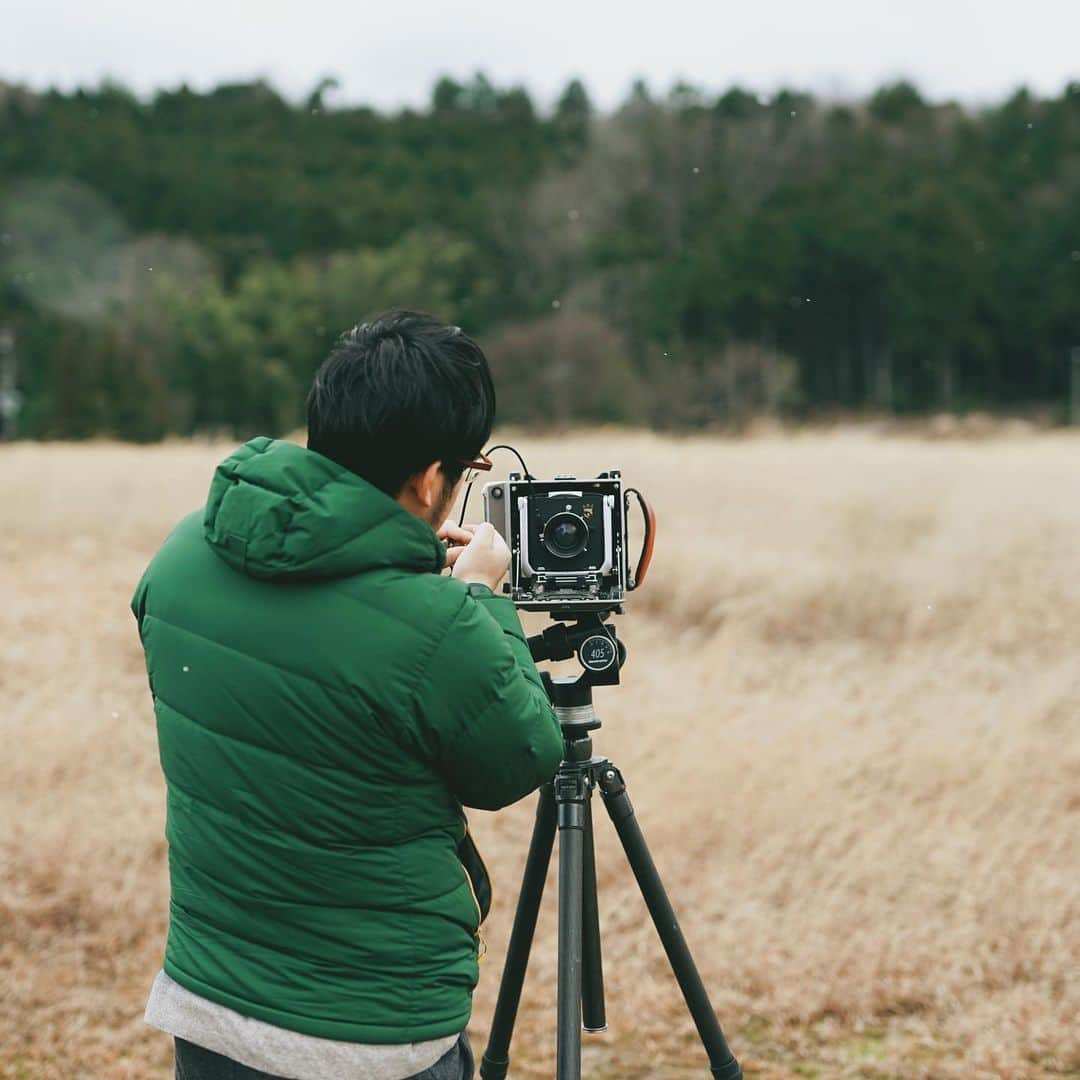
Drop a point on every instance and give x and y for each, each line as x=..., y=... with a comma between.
x=477, y=553
x=458, y=536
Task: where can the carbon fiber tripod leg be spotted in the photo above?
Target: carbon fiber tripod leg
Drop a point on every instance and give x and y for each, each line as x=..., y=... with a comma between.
x=496, y=1059
x=571, y=794
x=593, y=1017
x=721, y=1060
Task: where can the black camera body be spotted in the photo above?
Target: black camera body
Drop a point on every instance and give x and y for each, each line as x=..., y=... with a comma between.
x=567, y=540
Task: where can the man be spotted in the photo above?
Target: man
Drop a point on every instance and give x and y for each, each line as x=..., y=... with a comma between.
x=326, y=702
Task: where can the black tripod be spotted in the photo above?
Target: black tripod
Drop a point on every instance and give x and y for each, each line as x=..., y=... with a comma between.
x=566, y=804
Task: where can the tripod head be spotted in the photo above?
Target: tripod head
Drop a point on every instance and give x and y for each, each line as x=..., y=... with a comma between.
x=601, y=655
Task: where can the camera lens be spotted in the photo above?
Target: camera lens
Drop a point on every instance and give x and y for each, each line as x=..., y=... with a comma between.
x=566, y=535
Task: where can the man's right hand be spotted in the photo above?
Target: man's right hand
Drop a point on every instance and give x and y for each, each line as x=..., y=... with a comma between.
x=484, y=560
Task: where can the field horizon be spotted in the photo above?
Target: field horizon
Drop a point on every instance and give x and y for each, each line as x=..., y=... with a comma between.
x=848, y=725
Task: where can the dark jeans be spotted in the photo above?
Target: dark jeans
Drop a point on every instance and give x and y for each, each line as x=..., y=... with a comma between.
x=195, y=1063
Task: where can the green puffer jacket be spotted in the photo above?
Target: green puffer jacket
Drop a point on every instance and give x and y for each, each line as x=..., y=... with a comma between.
x=326, y=701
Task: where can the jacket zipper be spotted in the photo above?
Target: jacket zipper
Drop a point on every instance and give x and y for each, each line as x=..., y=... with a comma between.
x=482, y=949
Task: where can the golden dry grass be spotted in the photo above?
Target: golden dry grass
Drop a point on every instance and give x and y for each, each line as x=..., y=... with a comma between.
x=849, y=726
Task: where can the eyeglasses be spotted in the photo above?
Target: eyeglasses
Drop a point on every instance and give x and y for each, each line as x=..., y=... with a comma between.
x=473, y=469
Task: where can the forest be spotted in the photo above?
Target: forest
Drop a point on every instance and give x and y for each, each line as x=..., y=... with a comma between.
x=181, y=264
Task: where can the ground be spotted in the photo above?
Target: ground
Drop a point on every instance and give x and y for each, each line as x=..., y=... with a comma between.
x=848, y=723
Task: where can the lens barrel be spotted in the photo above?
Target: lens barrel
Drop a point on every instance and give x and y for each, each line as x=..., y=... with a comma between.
x=566, y=535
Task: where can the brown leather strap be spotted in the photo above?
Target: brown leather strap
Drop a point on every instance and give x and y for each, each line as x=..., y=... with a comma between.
x=649, y=516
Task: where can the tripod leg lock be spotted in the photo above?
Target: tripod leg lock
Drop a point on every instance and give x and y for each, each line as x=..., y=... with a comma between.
x=493, y=1068
x=729, y=1071
x=613, y=789
x=571, y=790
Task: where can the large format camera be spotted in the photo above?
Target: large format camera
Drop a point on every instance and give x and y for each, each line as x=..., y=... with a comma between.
x=568, y=540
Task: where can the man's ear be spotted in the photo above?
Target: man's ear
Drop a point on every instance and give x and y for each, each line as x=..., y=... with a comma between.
x=427, y=485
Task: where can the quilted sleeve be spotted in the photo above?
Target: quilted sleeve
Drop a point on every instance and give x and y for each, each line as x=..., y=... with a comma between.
x=482, y=711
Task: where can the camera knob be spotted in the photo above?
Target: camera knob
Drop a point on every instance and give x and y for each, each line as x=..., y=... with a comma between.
x=598, y=653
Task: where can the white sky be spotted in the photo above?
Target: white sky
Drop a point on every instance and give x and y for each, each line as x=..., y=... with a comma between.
x=389, y=52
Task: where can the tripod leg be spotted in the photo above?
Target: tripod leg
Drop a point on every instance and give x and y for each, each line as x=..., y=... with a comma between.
x=721, y=1061
x=571, y=793
x=496, y=1059
x=592, y=965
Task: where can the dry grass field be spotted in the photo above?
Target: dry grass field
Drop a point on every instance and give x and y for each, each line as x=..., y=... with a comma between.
x=849, y=724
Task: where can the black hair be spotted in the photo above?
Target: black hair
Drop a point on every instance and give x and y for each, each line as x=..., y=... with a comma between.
x=396, y=394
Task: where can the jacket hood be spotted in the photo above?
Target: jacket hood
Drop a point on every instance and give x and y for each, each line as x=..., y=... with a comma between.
x=277, y=510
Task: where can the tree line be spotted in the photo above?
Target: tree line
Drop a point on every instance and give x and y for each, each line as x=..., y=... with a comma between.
x=182, y=264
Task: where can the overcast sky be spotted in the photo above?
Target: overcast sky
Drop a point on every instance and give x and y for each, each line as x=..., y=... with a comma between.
x=390, y=52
